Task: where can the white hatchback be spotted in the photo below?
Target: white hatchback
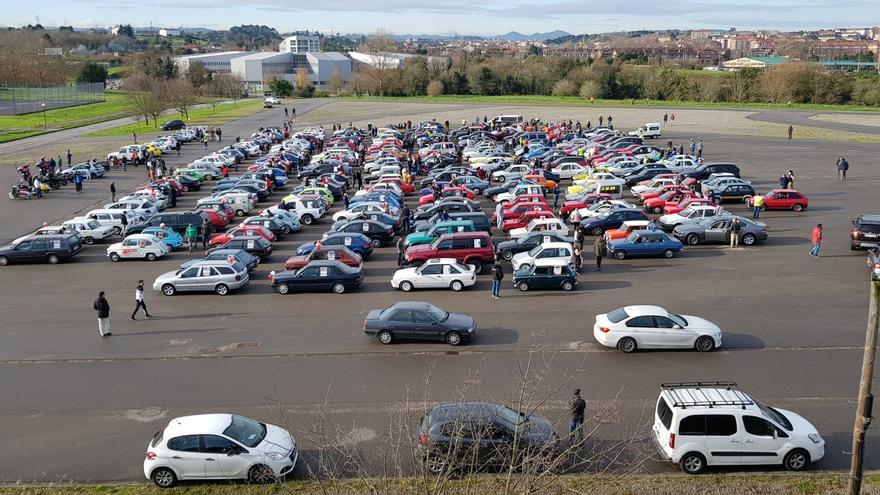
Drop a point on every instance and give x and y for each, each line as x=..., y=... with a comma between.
x=219, y=446
x=138, y=246
x=437, y=273
x=651, y=327
x=545, y=251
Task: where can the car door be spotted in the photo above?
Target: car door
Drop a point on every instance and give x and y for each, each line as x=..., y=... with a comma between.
x=425, y=326
x=187, y=458
x=614, y=220
x=762, y=441
x=401, y=324
x=207, y=279
x=431, y=277
x=188, y=279
x=723, y=439
x=224, y=458
x=669, y=336
x=642, y=329
x=716, y=231
x=307, y=278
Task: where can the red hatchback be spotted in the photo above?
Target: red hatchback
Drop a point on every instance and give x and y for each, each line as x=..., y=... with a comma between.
x=449, y=192
x=519, y=209
x=216, y=218
x=525, y=218
x=242, y=230
x=782, y=199
x=339, y=253
x=669, y=198
x=694, y=200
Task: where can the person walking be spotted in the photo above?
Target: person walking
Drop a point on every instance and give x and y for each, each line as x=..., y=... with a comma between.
x=665, y=118
x=38, y=187
x=790, y=182
x=575, y=219
x=177, y=147
x=286, y=112
x=699, y=150
x=204, y=233
x=219, y=133
x=816, y=237
x=139, y=302
x=845, y=167
x=577, y=407
x=103, y=308
x=576, y=258
x=113, y=192
x=134, y=137
x=497, y=277
x=499, y=215
x=205, y=140
x=693, y=146
x=790, y=131
x=600, y=249
x=191, y=233
x=69, y=157
x=734, y=230
x=556, y=195
x=401, y=251
x=405, y=218
x=758, y=204
x=78, y=182
x=601, y=119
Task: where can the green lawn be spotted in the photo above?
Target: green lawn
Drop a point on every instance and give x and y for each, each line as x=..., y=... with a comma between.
x=577, y=101
x=207, y=115
x=14, y=127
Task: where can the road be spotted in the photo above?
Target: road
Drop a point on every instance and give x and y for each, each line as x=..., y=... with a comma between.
x=83, y=408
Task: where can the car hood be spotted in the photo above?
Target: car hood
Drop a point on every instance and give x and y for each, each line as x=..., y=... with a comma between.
x=404, y=273
x=799, y=424
x=540, y=431
x=458, y=321
x=520, y=257
x=277, y=440
x=420, y=248
x=167, y=276
x=296, y=260
x=701, y=324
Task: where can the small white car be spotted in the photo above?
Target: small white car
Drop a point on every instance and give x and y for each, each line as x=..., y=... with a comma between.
x=569, y=170
x=647, y=131
x=437, y=273
x=512, y=172
x=89, y=230
x=540, y=225
x=272, y=101
x=545, y=251
x=701, y=424
x=139, y=205
x=603, y=207
x=307, y=210
x=689, y=214
x=87, y=170
x=651, y=327
x=219, y=446
x=355, y=211
x=113, y=218
x=653, y=185
x=138, y=246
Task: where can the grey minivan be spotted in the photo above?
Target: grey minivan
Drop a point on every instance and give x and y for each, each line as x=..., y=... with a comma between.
x=214, y=276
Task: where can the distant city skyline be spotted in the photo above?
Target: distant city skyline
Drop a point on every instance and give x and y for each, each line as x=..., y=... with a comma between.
x=490, y=17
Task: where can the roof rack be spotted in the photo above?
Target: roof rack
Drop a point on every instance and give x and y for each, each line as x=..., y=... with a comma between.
x=692, y=394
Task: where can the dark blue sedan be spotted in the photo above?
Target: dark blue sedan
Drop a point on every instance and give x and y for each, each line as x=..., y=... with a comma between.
x=644, y=243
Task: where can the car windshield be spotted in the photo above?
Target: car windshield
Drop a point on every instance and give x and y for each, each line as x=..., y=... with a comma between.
x=775, y=415
x=687, y=213
x=679, y=320
x=513, y=418
x=245, y=431
x=437, y=313
x=617, y=315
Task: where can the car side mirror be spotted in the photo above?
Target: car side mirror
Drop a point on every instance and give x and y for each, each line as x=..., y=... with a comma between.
x=677, y=327
x=233, y=452
x=775, y=434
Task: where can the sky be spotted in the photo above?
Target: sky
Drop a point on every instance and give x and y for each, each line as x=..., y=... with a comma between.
x=478, y=17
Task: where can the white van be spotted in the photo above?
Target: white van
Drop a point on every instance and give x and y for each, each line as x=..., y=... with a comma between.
x=240, y=201
x=113, y=218
x=715, y=424
x=647, y=131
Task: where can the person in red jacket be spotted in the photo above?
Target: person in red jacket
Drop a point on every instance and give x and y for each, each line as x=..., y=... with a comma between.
x=817, y=241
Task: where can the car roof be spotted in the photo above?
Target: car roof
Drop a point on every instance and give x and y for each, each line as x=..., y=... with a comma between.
x=140, y=236
x=555, y=244
x=442, y=261
x=198, y=424
x=636, y=223
x=869, y=218
x=551, y=262
x=411, y=305
x=457, y=411
x=718, y=395
x=644, y=309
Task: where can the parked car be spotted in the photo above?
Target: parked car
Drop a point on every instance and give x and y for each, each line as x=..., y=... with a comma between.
x=546, y=250
x=338, y=253
x=540, y=225
x=173, y=125
x=865, y=232
x=437, y=230
x=651, y=327
x=255, y=245
x=419, y=321
x=436, y=273
x=549, y=273
x=469, y=248
x=138, y=246
x=50, y=248
x=380, y=234
x=781, y=199
x=219, y=446
x=321, y=275
x=219, y=277
x=702, y=424
x=611, y=220
x=702, y=172
x=716, y=230
x=690, y=214
x=171, y=238
x=644, y=243
x=177, y=221
x=240, y=255
x=89, y=229
x=358, y=243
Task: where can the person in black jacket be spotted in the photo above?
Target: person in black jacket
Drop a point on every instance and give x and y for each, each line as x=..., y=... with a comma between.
x=103, y=308
x=497, y=277
x=577, y=407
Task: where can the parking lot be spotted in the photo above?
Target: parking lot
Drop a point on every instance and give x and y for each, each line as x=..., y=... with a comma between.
x=793, y=327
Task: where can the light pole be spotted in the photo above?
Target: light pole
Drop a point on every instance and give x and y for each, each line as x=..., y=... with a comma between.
x=866, y=399
x=43, y=104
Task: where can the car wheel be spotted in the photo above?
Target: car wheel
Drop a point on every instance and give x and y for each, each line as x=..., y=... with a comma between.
x=307, y=219
x=209, y=177
x=620, y=255
x=338, y=288
x=567, y=286
x=598, y=231
x=476, y=191
x=151, y=257
x=668, y=253
x=221, y=289
x=282, y=288
x=117, y=230
x=525, y=266
x=435, y=463
x=239, y=213
x=114, y=257
x=748, y=239
x=456, y=286
x=692, y=239
x=797, y=207
x=478, y=266
x=796, y=460
x=4, y=261
x=506, y=255
x=522, y=286
x=285, y=229
x=261, y=474
x=705, y=344
x=406, y=286
x=628, y=345
x=164, y=478
x=52, y=259
x=376, y=243
x=185, y=188
x=658, y=209
x=88, y=240
x=168, y=290
x=693, y=463
x=385, y=337
x=453, y=338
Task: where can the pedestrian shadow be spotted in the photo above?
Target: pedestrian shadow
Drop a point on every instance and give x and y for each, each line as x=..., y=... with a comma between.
x=741, y=342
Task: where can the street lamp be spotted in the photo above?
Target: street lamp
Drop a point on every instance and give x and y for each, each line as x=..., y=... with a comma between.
x=43, y=104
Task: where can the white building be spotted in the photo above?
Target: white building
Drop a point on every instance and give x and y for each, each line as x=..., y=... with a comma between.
x=169, y=32
x=217, y=61
x=300, y=43
x=390, y=60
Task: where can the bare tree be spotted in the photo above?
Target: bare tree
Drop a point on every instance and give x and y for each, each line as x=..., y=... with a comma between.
x=181, y=94
x=337, y=83
x=379, y=47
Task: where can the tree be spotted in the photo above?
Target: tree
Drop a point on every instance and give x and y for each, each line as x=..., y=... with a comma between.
x=226, y=85
x=378, y=72
x=565, y=88
x=198, y=75
x=337, y=83
x=304, y=87
x=126, y=30
x=147, y=96
x=281, y=87
x=92, y=72
x=181, y=94
x=435, y=88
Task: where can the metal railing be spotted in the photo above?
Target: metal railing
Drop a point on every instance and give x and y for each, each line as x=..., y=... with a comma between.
x=17, y=99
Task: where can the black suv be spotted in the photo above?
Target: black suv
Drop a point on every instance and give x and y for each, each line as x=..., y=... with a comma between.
x=177, y=221
x=173, y=125
x=702, y=172
x=865, y=232
x=36, y=248
x=473, y=436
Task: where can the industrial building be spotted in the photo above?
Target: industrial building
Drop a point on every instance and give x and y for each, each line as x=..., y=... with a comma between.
x=301, y=43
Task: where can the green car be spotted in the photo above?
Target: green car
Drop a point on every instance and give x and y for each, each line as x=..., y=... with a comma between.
x=438, y=229
x=193, y=174
x=320, y=191
x=546, y=274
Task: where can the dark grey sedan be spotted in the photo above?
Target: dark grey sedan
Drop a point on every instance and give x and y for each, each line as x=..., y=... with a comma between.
x=419, y=321
x=716, y=230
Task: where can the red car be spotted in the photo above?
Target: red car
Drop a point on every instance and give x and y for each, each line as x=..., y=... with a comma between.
x=525, y=218
x=661, y=191
x=585, y=201
x=242, y=230
x=519, y=208
x=217, y=219
x=474, y=248
x=669, y=198
x=694, y=200
x=218, y=205
x=339, y=253
x=405, y=187
x=459, y=191
x=782, y=199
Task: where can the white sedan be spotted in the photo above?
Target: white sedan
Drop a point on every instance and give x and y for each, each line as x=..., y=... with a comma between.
x=138, y=246
x=651, y=327
x=545, y=251
x=437, y=273
x=569, y=170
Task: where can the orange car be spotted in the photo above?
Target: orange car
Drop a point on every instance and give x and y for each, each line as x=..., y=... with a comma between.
x=541, y=181
x=626, y=229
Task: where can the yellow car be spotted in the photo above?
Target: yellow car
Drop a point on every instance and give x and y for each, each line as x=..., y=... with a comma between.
x=155, y=150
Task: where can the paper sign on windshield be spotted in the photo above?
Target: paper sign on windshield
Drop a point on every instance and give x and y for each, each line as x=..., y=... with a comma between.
x=557, y=270
x=478, y=243
x=546, y=238
x=347, y=241
x=250, y=244
x=331, y=255
x=366, y=227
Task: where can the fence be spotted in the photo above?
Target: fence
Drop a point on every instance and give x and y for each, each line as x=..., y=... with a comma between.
x=20, y=99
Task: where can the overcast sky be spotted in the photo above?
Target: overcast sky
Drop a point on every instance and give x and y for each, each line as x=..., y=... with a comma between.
x=481, y=17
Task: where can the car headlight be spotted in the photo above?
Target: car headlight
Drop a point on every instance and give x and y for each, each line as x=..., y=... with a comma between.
x=815, y=437
x=275, y=456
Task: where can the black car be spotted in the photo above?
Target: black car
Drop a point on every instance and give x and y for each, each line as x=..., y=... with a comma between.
x=318, y=275
x=506, y=249
x=702, y=172
x=381, y=234
x=649, y=172
x=49, y=248
x=436, y=209
x=176, y=221
x=275, y=225
x=173, y=125
x=188, y=183
x=418, y=321
x=464, y=437
x=384, y=218
x=865, y=232
x=253, y=244
x=503, y=188
x=612, y=220
x=478, y=218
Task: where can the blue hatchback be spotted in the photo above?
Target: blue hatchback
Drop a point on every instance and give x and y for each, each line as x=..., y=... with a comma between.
x=171, y=238
x=644, y=243
x=358, y=243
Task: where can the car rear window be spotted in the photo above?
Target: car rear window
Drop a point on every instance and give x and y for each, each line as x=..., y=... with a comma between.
x=617, y=315
x=871, y=228
x=664, y=413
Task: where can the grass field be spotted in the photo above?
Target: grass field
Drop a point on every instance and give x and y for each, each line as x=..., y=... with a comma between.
x=578, y=101
x=206, y=115
x=759, y=484
x=14, y=127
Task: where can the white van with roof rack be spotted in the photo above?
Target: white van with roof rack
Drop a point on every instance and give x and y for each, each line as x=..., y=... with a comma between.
x=701, y=424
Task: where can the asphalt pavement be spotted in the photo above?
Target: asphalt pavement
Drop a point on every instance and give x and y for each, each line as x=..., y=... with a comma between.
x=79, y=407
